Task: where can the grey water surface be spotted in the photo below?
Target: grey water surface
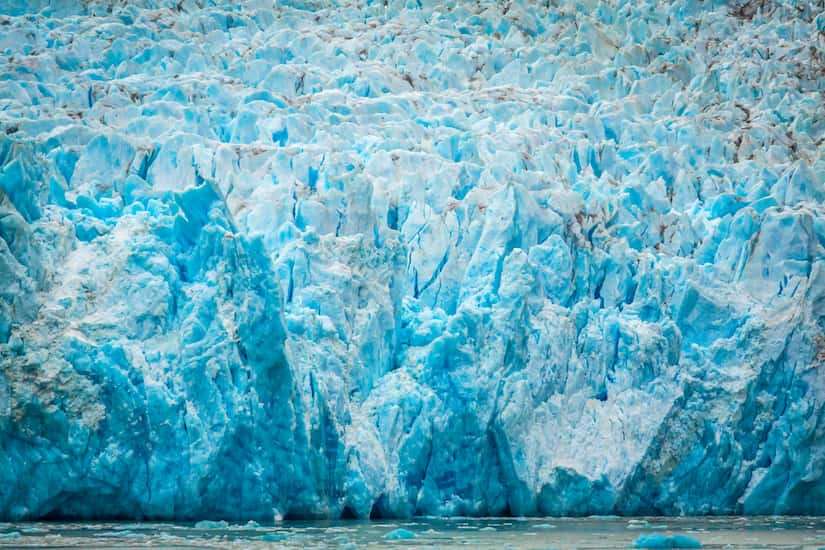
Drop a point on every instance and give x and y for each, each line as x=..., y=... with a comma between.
x=592, y=532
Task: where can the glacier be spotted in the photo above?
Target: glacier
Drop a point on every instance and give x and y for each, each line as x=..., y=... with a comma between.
x=313, y=259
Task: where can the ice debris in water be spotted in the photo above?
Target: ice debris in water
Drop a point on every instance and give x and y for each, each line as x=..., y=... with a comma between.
x=664, y=541
x=34, y=531
x=207, y=524
x=373, y=259
x=637, y=524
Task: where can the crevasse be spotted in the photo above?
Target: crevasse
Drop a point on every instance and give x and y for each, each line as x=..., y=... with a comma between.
x=392, y=258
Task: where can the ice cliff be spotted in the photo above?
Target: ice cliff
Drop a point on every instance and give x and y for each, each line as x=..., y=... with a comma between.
x=395, y=258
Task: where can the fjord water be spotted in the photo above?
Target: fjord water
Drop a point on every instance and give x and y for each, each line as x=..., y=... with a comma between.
x=516, y=533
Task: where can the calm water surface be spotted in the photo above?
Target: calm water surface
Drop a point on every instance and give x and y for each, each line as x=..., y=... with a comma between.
x=717, y=532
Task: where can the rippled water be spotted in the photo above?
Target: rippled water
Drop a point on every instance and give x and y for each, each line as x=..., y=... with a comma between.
x=721, y=532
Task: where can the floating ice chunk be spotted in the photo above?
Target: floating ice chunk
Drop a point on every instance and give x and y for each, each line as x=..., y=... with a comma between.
x=665, y=541
x=399, y=534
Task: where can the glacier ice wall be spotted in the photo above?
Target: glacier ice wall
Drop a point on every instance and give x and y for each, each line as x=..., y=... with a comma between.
x=388, y=258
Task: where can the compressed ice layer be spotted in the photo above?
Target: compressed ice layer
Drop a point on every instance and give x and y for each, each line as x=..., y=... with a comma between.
x=396, y=258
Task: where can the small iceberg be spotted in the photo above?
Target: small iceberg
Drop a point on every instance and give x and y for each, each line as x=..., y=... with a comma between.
x=399, y=534
x=664, y=541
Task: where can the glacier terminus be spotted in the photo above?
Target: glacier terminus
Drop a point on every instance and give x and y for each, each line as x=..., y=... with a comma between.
x=324, y=259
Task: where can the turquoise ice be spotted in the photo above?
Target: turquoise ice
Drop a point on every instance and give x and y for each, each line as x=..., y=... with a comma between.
x=361, y=259
x=665, y=541
x=399, y=534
